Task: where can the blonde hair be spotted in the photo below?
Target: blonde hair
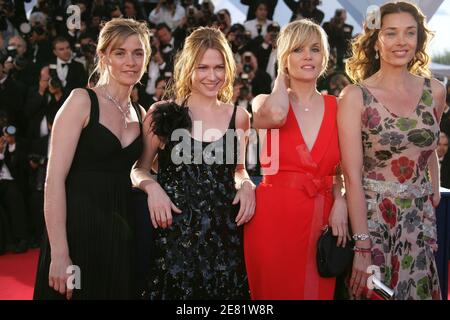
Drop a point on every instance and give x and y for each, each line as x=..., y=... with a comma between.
x=113, y=34
x=186, y=61
x=362, y=64
x=297, y=34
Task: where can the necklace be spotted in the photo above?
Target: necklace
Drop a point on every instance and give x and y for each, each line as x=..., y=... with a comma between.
x=123, y=110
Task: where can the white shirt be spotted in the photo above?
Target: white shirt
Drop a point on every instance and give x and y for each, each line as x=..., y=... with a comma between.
x=164, y=15
x=62, y=70
x=5, y=174
x=250, y=25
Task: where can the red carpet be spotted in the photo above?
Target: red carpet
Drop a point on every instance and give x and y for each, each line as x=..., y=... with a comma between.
x=17, y=275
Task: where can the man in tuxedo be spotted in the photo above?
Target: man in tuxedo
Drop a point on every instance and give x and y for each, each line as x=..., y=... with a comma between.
x=11, y=194
x=70, y=72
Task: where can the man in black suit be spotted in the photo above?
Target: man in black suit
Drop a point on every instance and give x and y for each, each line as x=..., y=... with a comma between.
x=11, y=194
x=70, y=72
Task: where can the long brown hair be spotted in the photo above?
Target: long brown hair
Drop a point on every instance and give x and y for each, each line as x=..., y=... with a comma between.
x=363, y=63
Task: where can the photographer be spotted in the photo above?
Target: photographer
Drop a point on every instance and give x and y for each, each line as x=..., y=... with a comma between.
x=11, y=97
x=169, y=12
x=224, y=20
x=85, y=52
x=305, y=9
x=12, y=163
x=40, y=46
x=258, y=26
x=238, y=39
x=11, y=16
x=21, y=68
x=265, y=49
x=339, y=35
x=271, y=4
x=258, y=80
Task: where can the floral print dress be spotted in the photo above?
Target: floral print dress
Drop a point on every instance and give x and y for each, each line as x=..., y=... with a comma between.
x=401, y=217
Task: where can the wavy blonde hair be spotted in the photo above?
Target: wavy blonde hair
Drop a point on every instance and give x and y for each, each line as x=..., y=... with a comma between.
x=363, y=64
x=113, y=34
x=187, y=60
x=296, y=34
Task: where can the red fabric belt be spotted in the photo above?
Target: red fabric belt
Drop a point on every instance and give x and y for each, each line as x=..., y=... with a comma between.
x=307, y=182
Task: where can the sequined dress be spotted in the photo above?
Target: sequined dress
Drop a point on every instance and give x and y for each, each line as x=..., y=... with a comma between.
x=200, y=255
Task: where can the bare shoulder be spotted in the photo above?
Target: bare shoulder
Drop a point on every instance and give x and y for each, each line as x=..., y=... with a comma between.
x=350, y=97
x=258, y=101
x=77, y=105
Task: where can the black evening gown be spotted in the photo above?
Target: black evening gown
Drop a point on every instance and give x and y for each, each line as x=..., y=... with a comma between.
x=200, y=256
x=99, y=215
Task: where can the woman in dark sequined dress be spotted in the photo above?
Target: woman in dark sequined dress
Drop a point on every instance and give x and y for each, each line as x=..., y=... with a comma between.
x=203, y=194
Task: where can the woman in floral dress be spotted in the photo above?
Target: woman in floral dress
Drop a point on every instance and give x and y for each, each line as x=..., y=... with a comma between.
x=394, y=110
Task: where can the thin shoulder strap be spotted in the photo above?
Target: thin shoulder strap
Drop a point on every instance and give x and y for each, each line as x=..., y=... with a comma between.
x=427, y=84
x=232, y=124
x=366, y=94
x=138, y=113
x=94, y=114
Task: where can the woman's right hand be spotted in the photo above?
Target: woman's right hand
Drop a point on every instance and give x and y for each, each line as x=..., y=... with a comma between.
x=359, y=276
x=57, y=276
x=160, y=206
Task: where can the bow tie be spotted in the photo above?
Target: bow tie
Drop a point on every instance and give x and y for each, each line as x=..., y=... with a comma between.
x=65, y=64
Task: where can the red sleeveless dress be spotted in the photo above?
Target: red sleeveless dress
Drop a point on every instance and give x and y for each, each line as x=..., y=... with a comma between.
x=292, y=206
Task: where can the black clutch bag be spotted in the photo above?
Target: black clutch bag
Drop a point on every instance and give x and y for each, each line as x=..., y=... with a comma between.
x=332, y=260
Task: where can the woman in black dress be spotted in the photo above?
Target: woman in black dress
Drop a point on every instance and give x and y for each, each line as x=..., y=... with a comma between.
x=96, y=138
x=203, y=194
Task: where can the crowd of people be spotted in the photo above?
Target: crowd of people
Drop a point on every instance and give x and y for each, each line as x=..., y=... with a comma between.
x=89, y=112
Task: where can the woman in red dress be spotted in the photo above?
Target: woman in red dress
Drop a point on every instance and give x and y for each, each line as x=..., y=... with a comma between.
x=299, y=193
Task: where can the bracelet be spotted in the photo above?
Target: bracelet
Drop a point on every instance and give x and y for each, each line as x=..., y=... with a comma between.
x=360, y=236
x=362, y=250
x=243, y=181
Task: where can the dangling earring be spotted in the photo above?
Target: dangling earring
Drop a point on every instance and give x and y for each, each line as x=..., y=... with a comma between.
x=376, y=55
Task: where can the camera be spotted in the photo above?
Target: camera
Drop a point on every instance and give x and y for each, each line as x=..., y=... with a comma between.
x=55, y=83
x=247, y=68
x=37, y=158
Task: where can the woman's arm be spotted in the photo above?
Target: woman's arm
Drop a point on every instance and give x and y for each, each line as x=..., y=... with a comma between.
x=350, y=141
x=159, y=204
x=338, y=219
x=246, y=188
x=439, y=96
x=270, y=111
x=69, y=122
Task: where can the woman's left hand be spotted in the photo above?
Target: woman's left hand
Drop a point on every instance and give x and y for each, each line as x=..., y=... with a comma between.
x=246, y=197
x=338, y=221
x=436, y=199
